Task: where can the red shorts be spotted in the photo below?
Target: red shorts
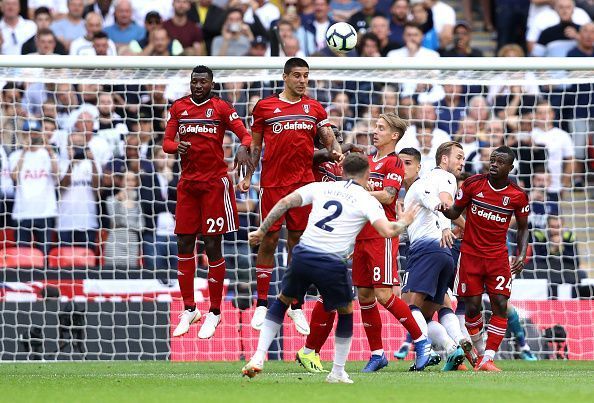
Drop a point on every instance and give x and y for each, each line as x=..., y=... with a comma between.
x=375, y=263
x=296, y=218
x=206, y=208
x=475, y=274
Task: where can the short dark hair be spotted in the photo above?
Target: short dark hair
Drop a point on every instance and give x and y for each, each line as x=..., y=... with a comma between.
x=413, y=152
x=41, y=10
x=203, y=69
x=294, y=62
x=100, y=35
x=508, y=151
x=445, y=149
x=412, y=24
x=355, y=164
x=45, y=32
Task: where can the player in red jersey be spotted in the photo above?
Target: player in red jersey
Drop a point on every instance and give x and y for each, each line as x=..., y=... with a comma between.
x=287, y=123
x=375, y=267
x=490, y=201
x=205, y=195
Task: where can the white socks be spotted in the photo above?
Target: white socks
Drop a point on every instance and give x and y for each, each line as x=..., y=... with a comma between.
x=342, y=347
x=452, y=326
x=421, y=321
x=439, y=336
x=267, y=334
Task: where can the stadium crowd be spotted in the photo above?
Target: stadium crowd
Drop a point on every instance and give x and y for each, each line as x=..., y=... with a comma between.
x=83, y=164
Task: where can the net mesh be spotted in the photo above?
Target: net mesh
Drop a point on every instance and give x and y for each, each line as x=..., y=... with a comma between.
x=88, y=254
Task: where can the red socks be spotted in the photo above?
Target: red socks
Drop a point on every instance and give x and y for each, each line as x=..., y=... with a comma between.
x=263, y=274
x=496, y=332
x=216, y=278
x=320, y=326
x=474, y=325
x=400, y=310
x=186, y=269
x=372, y=323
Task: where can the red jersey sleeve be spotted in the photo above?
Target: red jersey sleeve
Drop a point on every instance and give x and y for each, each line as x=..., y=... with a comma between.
x=169, y=143
x=464, y=195
x=234, y=123
x=321, y=116
x=523, y=206
x=257, y=119
x=394, y=173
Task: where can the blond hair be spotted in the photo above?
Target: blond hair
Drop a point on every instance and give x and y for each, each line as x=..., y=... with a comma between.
x=395, y=123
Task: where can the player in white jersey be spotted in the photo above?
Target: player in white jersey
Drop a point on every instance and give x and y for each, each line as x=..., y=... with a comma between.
x=339, y=212
x=430, y=267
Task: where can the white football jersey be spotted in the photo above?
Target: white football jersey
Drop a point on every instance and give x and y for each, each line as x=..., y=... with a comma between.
x=428, y=224
x=339, y=212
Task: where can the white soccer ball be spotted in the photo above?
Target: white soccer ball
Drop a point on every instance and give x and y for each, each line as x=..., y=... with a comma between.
x=341, y=37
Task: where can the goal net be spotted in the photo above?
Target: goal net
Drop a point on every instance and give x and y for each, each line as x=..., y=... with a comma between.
x=87, y=249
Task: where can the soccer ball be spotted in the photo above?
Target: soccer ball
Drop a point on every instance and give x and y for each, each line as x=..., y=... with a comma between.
x=341, y=37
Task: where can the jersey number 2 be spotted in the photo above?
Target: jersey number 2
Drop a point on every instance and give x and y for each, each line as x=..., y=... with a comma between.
x=323, y=222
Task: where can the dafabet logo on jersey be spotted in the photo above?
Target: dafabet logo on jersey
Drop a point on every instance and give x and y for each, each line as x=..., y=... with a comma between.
x=187, y=129
x=279, y=127
x=487, y=215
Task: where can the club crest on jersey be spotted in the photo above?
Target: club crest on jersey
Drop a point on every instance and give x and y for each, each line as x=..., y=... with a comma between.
x=306, y=108
x=460, y=194
x=505, y=200
x=209, y=112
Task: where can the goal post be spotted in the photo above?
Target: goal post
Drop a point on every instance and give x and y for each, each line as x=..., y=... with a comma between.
x=88, y=256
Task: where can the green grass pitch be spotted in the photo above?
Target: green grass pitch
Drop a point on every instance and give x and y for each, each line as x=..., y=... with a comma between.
x=164, y=382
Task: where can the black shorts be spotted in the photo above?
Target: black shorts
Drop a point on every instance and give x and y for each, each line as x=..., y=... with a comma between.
x=327, y=272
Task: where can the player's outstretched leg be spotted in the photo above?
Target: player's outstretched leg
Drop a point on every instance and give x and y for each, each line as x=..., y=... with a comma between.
x=186, y=269
x=270, y=327
x=515, y=327
x=321, y=325
x=470, y=350
x=439, y=336
x=343, y=338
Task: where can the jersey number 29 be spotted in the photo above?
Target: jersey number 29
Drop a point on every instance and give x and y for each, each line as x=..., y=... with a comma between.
x=323, y=223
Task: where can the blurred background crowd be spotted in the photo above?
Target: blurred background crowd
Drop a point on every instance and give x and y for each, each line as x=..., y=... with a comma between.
x=81, y=164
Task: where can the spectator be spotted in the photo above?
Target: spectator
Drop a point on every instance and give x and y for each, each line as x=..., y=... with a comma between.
x=291, y=48
x=560, y=150
x=511, y=19
x=549, y=17
x=34, y=171
x=45, y=42
x=83, y=46
x=185, y=31
x=159, y=43
x=582, y=124
x=556, y=256
x=444, y=19
x=13, y=115
x=124, y=30
x=390, y=99
x=306, y=8
x=111, y=126
x=15, y=29
x=79, y=183
x=160, y=252
x=342, y=10
x=101, y=150
x=451, y=108
x=210, y=18
x=140, y=8
x=145, y=46
x=102, y=44
x=35, y=93
x=265, y=11
x=427, y=149
x=57, y=8
x=369, y=46
x=559, y=39
x=423, y=17
x=72, y=26
x=466, y=135
x=320, y=23
x=541, y=205
x=479, y=110
x=413, y=36
x=249, y=17
x=380, y=27
x=487, y=18
x=462, y=40
x=478, y=160
x=424, y=117
x=43, y=20
x=361, y=20
x=258, y=47
x=104, y=8
x=307, y=39
x=399, y=18
x=123, y=242
x=236, y=36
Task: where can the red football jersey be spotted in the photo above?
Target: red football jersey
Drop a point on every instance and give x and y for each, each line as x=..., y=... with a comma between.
x=488, y=215
x=385, y=172
x=204, y=126
x=288, y=129
x=328, y=171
